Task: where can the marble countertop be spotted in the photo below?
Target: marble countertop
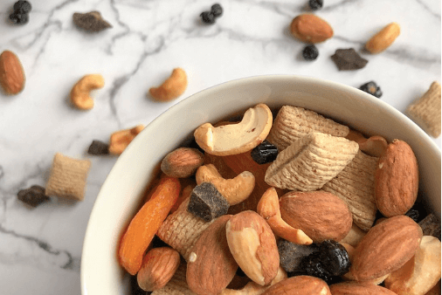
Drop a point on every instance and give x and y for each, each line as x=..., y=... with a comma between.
x=40, y=249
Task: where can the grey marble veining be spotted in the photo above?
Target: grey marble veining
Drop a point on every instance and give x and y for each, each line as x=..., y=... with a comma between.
x=40, y=248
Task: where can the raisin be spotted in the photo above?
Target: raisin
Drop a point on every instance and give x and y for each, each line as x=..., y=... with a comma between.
x=33, y=196
x=315, y=4
x=19, y=18
x=207, y=17
x=98, y=148
x=313, y=267
x=291, y=255
x=264, y=153
x=216, y=10
x=431, y=226
x=310, y=52
x=22, y=7
x=334, y=257
x=372, y=88
x=413, y=214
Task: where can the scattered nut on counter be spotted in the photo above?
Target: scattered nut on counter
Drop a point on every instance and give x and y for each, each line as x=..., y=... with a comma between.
x=172, y=88
x=119, y=140
x=80, y=97
x=384, y=38
x=310, y=28
x=12, y=75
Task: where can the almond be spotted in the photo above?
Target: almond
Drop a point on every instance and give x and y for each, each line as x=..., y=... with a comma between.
x=396, y=179
x=299, y=285
x=253, y=246
x=386, y=248
x=359, y=288
x=311, y=28
x=159, y=266
x=211, y=266
x=321, y=215
x=182, y=162
x=12, y=76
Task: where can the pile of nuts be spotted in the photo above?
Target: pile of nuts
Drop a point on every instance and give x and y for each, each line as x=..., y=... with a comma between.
x=297, y=217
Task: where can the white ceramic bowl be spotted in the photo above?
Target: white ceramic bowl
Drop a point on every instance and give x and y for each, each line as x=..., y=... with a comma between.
x=122, y=191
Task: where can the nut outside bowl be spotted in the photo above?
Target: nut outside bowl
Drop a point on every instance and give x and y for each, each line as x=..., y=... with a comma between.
x=120, y=195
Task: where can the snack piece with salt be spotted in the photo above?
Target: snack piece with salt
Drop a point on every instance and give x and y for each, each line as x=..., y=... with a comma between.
x=292, y=123
x=68, y=177
x=426, y=111
x=310, y=162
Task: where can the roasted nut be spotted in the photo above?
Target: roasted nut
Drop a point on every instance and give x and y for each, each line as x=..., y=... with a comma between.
x=121, y=139
x=268, y=208
x=383, y=39
x=236, y=138
x=359, y=288
x=173, y=87
x=386, y=248
x=321, y=215
x=182, y=162
x=159, y=266
x=234, y=190
x=419, y=274
x=310, y=28
x=396, y=179
x=299, y=285
x=80, y=92
x=12, y=75
x=253, y=246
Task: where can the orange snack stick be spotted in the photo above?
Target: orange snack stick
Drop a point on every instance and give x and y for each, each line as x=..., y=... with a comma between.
x=146, y=223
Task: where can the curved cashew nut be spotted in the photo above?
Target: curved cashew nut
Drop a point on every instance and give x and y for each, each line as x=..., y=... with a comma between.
x=236, y=138
x=234, y=190
x=80, y=92
x=268, y=208
x=120, y=140
x=252, y=288
x=173, y=87
x=374, y=146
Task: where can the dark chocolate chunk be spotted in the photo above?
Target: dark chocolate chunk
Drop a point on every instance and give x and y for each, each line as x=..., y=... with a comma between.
x=98, y=148
x=348, y=59
x=33, y=196
x=431, y=226
x=207, y=202
x=291, y=255
x=91, y=21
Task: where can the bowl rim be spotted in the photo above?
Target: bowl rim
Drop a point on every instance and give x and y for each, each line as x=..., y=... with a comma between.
x=156, y=122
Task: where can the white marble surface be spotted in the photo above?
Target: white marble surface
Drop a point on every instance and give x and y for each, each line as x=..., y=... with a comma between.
x=40, y=249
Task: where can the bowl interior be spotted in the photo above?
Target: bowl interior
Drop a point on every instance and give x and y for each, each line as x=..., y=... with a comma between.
x=122, y=191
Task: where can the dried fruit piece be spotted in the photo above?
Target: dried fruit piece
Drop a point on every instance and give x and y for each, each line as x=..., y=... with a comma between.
x=430, y=226
x=68, y=177
x=359, y=288
x=98, y=148
x=315, y=4
x=371, y=88
x=211, y=266
x=207, y=17
x=33, y=196
x=299, y=285
x=419, y=274
x=355, y=185
x=310, y=52
x=19, y=18
x=386, y=248
x=207, y=203
x=291, y=255
x=396, y=179
x=159, y=266
x=292, y=123
x=264, y=153
x=182, y=162
x=426, y=111
x=253, y=246
x=182, y=229
x=216, y=10
x=383, y=39
x=91, y=21
x=177, y=285
x=348, y=59
x=146, y=223
x=119, y=140
x=172, y=88
x=310, y=28
x=12, y=75
x=310, y=162
x=22, y=6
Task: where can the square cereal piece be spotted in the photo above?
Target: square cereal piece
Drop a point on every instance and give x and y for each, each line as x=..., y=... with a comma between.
x=68, y=177
x=426, y=110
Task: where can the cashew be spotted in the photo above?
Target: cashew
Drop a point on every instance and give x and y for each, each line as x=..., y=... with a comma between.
x=268, y=208
x=80, y=92
x=374, y=146
x=173, y=87
x=234, y=190
x=236, y=138
x=120, y=140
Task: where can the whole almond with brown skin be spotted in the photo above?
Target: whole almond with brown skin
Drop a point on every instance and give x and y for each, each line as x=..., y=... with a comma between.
x=253, y=245
x=310, y=28
x=182, y=162
x=299, y=285
x=396, y=179
x=12, y=76
x=159, y=266
x=385, y=248
x=211, y=266
x=321, y=215
x=359, y=288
